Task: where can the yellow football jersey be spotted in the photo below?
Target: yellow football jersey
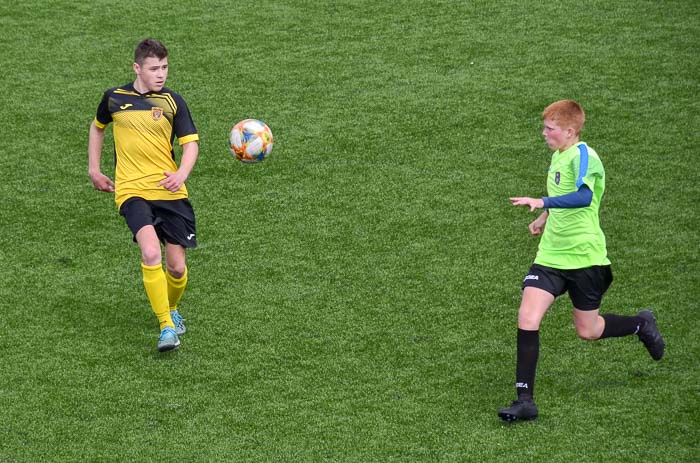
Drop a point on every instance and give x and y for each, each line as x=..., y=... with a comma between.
x=145, y=126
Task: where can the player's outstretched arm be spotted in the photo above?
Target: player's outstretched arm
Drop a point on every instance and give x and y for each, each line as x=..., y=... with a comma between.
x=532, y=203
x=95, y=141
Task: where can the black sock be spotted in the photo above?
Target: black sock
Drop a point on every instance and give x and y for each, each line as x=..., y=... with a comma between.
x=528, y=353
x=620, y=325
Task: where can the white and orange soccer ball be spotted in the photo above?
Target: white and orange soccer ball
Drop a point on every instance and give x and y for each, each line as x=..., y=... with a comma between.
x=250, y=140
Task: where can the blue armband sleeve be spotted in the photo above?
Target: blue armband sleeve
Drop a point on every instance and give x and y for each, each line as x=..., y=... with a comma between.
x=580, y=198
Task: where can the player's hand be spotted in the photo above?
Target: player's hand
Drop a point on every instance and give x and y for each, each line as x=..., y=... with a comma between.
x=173, y=181
x=532, y=203
x=537, y=225
x=536, y=228
x=102, y=182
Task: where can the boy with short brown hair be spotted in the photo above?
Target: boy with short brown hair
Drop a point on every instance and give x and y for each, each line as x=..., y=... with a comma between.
x=149, y=186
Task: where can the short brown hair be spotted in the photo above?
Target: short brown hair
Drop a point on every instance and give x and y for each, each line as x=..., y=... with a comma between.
x=566, y=113
x=147, y=48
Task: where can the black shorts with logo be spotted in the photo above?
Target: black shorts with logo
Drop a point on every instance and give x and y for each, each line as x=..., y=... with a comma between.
x=173, y=219
x=586, y=286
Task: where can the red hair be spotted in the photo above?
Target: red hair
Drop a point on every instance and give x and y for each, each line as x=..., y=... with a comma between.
x=566, y=113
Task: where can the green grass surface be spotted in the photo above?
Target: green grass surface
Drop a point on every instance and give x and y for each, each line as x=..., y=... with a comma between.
x=353, y=298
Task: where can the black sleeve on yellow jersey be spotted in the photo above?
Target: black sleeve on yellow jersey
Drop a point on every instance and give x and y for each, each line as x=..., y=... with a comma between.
x=183, y=124
x=103, y=115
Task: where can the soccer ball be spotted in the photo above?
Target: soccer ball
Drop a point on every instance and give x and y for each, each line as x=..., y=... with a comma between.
x=250, y=140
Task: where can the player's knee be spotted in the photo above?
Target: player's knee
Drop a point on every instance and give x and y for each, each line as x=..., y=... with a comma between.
x=151, y=256
x=176, y=269
x=528, y=321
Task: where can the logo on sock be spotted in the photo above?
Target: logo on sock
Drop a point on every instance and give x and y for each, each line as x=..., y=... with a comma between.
x=521, y=385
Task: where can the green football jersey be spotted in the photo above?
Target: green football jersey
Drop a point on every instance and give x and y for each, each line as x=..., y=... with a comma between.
x=572, y=238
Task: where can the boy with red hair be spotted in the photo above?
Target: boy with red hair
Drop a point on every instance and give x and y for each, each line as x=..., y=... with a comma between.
x=571, y=257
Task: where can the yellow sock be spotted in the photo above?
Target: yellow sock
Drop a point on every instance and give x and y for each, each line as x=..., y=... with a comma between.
x=157, y=290
x=176, y=287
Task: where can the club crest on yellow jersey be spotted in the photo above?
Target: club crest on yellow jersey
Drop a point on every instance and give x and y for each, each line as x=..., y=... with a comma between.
x=156, y=113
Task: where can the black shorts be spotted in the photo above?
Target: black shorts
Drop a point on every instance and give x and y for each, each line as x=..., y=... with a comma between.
x=173, y=219
x=586, y=286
